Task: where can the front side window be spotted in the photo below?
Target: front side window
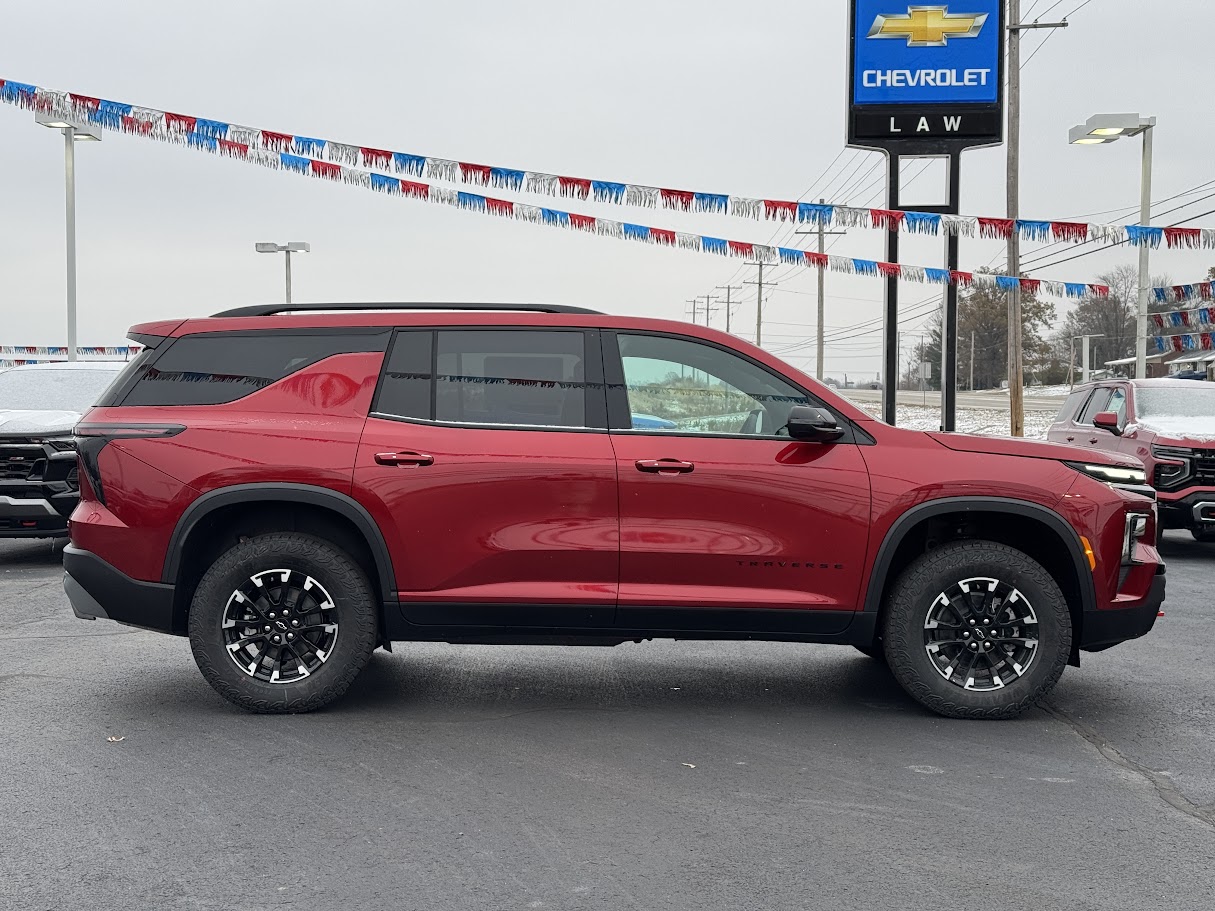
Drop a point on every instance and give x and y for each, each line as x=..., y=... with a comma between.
x=513, y=378
x=683, y=386
x=1095, y=406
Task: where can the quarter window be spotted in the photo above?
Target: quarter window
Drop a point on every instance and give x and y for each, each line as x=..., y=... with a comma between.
x=680, y=386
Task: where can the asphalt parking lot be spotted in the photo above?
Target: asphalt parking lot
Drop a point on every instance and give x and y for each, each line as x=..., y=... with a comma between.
x=663, y=775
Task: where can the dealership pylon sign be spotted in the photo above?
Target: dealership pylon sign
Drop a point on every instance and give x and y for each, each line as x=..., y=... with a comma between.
x=926, y=78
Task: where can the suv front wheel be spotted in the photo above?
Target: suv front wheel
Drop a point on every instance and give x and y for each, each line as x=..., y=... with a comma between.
x=282, y=622
x=976, y=629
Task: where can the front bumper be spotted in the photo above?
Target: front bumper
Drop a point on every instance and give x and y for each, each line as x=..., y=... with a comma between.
x=98, y=591
x=28, y=514
x=1106, y=628
x=1194, y=510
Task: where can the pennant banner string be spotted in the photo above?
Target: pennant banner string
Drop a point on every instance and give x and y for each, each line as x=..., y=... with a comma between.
x=164, y=125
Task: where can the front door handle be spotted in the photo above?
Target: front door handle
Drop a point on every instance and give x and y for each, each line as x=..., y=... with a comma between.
x=1071, y=439
x=416, y=459
x=665, y=466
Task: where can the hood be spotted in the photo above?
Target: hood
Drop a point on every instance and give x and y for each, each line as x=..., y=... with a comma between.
x=26, y=423
x=1176, y=428
x=1032, y=449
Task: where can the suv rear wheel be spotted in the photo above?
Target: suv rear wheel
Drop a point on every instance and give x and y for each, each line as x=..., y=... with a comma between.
x=282, y=622
x=976, y=629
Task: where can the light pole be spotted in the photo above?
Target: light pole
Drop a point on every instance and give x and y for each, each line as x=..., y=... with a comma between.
x=73, y=132
x=296, y=246
x=1102, y=128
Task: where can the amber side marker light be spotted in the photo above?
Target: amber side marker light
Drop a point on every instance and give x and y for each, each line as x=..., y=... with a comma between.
x=1088, y=552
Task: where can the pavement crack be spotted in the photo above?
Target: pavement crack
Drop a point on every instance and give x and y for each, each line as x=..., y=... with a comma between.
x=1165, y=789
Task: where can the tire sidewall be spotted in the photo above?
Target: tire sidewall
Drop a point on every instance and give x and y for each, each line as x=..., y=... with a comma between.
x=935, y=572
x=333, y=569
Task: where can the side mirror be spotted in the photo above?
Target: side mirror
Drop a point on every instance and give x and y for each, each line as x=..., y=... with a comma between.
x=1108, y=420
x=813, y=425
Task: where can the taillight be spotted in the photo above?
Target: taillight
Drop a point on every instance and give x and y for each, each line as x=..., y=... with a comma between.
x=92, y=438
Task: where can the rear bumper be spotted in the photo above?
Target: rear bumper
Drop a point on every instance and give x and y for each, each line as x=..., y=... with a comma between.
x=98, y=591
x=1106, y=628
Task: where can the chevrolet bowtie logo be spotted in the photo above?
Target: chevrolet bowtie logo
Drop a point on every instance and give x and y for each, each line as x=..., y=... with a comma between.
x=928, y=26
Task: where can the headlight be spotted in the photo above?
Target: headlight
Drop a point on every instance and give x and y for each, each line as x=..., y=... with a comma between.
x=1111, y=474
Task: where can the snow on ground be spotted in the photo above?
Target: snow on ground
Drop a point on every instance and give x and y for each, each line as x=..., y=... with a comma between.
x=984, y=421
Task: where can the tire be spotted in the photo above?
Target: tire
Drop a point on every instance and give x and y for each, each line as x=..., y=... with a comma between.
x=332, y=633
x=1203, y=535
x=933, y=590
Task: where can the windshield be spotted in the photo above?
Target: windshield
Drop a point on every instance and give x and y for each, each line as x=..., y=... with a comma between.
x=1195, y=401
x=54, y=390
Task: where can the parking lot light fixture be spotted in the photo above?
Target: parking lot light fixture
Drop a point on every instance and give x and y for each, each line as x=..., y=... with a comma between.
x=1098, y=130
x=295, y=246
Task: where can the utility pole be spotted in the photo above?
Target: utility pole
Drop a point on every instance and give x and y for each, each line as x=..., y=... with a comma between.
x=972, y=360
x=729, y=306
x=1016, y=361
x=759, y=303
x=709, y=308
x=822, y=276
x=695, y=302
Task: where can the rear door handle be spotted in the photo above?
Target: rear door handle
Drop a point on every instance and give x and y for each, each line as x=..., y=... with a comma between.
x=416, y=459
x=665, y=466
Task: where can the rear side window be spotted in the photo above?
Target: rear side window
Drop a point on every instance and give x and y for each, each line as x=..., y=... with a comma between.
x=213, y=369
x=513, y=378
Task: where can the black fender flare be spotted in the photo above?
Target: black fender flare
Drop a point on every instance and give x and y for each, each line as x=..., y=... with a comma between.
x=915, y=515
x=306, y=494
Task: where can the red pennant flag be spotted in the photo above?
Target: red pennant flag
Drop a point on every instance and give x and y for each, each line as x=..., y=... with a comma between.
x=475, y=173
x=180, y=122
x=676, y=199
x=1099, y=290
x=1204, y=290
x=1206, y=341
x=326, y=169
x=85, y=101
x=578, y=187
x=1178, y=344
x=235, y=149
x=1031, y=285
x=135, y=125
x=1182, y=237
x=662, y=236
x=890, y=270
x=962, y=279
x=371, y=157
x=885, y=219
x=995, y=228
x=779, y=208
x=582, y=222
x=280, y=142
x=1070, y=231
x=739, y=248
x=500, y=206
x=1158, y=319
x=818, y=260
x=1180, y=295
x=420, y=190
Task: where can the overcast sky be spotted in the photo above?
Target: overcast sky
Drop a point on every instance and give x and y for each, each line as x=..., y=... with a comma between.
x=729, y=97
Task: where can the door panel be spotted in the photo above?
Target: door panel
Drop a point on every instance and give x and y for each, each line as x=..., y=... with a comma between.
x=487, y=463
x=720, y=509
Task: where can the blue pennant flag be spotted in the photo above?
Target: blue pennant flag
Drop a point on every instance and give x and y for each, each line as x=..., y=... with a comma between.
x=1007, y=282
x=923, y=222
x=713, y=244
x=306, y=146
x=865, y=267
x=385, y=183
x=1159, y=344
x=12, y=89
x=216, y=128
x=203, y=141
x=293, y=162
x=1138, y=234
x=110, y=114
x=555, y=217
x=470, y=201
x=1176, y=319
x=1161, y=294
x=410, y=164
x=505, y=177
x=1034, y=230
x=792, y=256
x=710, y=202
x=937, y=276
x=815, y=212
x=604, y=191
x=637, y=232
x=1075, y=289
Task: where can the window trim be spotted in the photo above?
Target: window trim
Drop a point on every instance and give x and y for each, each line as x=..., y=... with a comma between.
x=618, y=403
x=596, y=404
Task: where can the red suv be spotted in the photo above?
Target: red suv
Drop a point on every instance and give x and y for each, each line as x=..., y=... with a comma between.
x=293, y=489
x=1169, y=425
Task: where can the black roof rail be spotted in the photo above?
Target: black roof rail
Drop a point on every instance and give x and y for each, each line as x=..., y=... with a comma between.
x=273, y=309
